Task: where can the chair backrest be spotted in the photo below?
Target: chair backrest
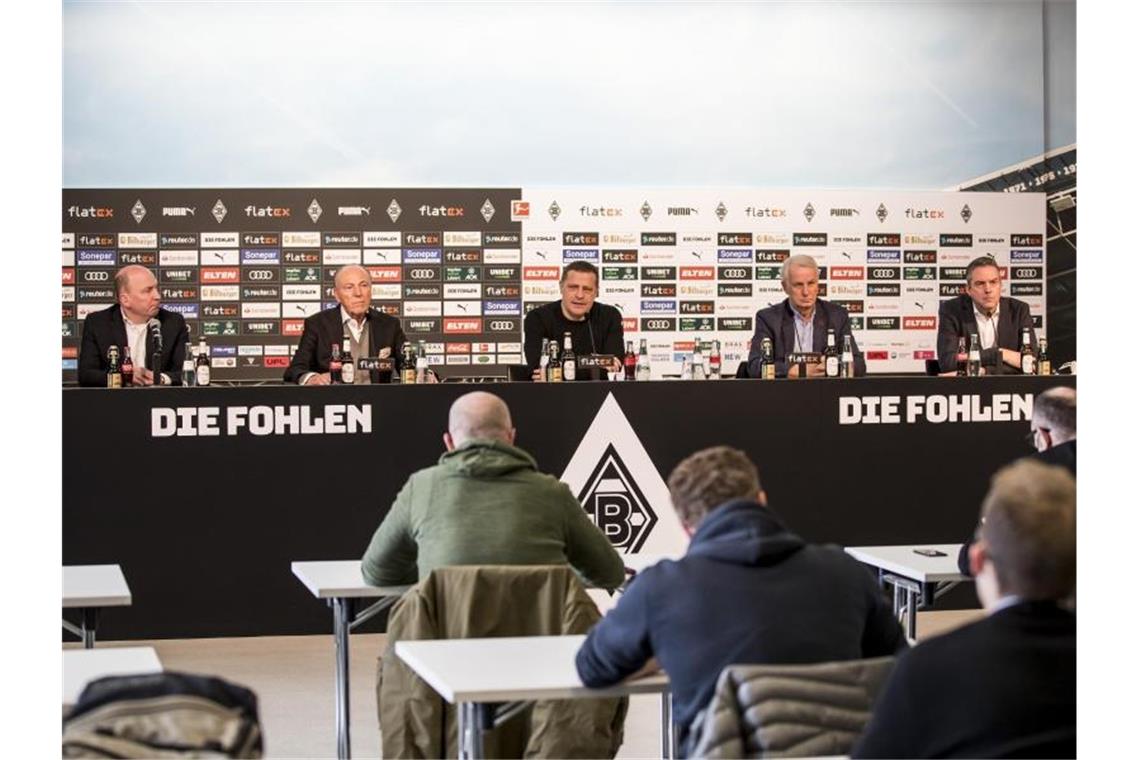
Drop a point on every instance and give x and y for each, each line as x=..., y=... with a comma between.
x=168, y=714
x=483, y=601
x=789, y=710
x=933, y=367
x=742, y=371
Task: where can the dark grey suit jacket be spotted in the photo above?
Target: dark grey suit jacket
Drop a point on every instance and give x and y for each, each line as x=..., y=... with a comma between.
x=956, y=320
x=778, y=323
x=105, y=328
x=325, y=328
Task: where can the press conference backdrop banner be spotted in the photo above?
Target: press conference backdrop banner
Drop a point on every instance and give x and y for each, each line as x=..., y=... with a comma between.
x=461, y=267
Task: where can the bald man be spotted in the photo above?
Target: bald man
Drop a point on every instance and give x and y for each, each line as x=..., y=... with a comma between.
x=371, y=333
x=125, y=326
x=486, y=503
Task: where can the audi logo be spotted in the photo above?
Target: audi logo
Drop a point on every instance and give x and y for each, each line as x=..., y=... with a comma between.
x=884, y=274
x=657, y=324
x=96, y=276
x=1025, y=273
x=734, y=274
x=500, y=325
x=260, y=274
x=421, y=274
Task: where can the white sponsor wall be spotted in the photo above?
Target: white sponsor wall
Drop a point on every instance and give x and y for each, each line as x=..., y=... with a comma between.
x=683, y=263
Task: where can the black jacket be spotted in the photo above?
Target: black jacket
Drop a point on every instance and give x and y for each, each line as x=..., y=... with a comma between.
x=983, y=690
x=600, y=333
x=956, y=320
x=325, y=328
x=747, y=591
x=103, y=329
x=778, y=323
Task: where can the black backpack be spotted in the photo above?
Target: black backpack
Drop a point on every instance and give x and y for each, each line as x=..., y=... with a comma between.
x=163, y=715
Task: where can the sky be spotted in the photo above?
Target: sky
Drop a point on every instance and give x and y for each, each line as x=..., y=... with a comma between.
x=847, y=94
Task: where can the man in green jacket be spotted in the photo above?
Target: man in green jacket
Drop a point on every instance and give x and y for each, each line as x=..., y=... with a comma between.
x=485, y=503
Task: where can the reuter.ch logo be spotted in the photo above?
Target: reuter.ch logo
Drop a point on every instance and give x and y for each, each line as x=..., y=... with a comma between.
x=616, y=504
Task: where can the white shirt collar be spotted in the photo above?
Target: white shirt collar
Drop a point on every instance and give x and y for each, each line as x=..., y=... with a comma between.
x=978, y=315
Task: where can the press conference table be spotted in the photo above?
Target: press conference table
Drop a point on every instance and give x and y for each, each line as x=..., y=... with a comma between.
x=89, y=588
x=471, y=673
x=255, y=503
x=917, y=579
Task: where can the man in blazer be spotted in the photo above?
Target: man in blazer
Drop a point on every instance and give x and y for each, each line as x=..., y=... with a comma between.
x=126, y=324
x=1005, y=686
x=352, y=318
x=982, y=310
x=799, y=323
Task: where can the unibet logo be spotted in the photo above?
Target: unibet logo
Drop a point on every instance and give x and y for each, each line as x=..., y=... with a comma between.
x=616, y=505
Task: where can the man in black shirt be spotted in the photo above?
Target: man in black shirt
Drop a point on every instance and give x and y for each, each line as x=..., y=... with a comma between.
x=594, y=328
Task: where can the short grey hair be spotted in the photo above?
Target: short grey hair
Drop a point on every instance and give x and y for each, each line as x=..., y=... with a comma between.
x=1056, y=408
x=799, y=260
x=479, y=415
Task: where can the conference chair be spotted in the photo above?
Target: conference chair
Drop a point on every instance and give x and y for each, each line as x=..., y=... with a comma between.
x=789, y=710
x=486, y=601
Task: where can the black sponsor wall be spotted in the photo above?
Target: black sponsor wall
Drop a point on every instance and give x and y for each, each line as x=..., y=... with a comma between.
x=205, y=527
x=247, y=266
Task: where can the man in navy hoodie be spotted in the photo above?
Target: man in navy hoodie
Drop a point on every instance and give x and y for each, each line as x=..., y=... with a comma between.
x=748, y=591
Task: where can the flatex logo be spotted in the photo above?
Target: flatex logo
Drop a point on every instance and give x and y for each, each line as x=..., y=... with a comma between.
x=619, y=488
x=278, y=212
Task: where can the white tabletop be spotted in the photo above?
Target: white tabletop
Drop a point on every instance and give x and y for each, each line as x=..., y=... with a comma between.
x=81, y=666
x=509, y=669
x=902, y=560
x=95, y=586
x=340, y=579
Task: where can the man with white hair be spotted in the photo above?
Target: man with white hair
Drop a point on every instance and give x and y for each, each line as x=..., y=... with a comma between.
x=370, y=332
x=799, y=323
x=486, y=503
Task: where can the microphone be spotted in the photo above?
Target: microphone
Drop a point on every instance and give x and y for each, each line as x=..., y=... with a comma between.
x=590, y=327
x=155, y=328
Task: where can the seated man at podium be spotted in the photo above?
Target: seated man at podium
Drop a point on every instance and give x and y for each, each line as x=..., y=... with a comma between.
x=371, y=333
x=799, y=324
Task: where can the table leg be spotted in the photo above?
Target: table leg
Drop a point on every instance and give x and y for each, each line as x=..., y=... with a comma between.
x=911, y=615
x=470, y=731
x=342, y=618
x=668, y=732
x=89, y=622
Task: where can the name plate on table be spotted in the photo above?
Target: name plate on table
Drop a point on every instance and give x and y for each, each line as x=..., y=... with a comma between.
x=599, y=361
x=370, y=363
x=804, y=358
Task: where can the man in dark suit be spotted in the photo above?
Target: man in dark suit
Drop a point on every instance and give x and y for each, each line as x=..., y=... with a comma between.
x=799, y=324
x=126, y=326
x=1053, y=428
x=371, y=333
x=983, y=311
x=1005, y=686
x=595, y=328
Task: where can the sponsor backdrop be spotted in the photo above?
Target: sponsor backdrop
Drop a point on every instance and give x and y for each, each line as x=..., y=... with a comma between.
x=686, y=263
x=238, y=481
x=460, y=267
x=245, y=267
